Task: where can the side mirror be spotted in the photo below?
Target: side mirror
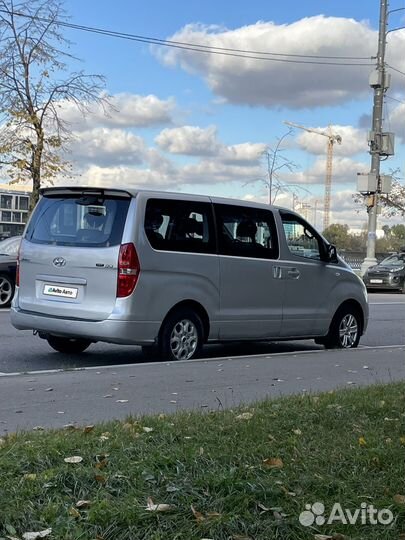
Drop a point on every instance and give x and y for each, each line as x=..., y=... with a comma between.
x=332, y=253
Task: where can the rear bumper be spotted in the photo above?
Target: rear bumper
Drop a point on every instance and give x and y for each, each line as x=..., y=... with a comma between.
x=109, y=331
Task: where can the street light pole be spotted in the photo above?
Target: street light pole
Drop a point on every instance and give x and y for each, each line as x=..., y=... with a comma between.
x=379, y=83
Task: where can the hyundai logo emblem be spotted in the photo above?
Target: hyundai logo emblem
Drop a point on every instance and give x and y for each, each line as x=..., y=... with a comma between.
x=59, y=261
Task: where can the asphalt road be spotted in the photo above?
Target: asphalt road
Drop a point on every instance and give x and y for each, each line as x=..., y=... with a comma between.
x=87, y=396
x=112, y=382
x=21, y=351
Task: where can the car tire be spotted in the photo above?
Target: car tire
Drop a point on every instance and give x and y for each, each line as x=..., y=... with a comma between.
x=181, y=336
x=6, y=290
x=68, y=345
x=345, y=329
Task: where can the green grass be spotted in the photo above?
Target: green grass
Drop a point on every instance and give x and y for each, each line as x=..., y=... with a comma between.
x=214, y=462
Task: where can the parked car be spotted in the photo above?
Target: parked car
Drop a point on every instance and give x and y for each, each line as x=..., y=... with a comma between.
x=388, y=274
x=8, y=265
x=171, y=272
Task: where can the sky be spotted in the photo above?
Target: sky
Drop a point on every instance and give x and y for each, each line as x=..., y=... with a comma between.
x=202, y=123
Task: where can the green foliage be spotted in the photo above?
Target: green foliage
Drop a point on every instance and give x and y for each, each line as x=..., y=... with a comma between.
x=344, y=446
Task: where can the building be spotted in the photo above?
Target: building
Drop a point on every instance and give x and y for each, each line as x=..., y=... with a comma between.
x=14, y=207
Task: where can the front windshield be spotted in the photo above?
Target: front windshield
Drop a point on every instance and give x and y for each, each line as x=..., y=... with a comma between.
x=10, y=246
x=394, y=260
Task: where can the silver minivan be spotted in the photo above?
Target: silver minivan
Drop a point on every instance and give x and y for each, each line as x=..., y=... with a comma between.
x=171, y=272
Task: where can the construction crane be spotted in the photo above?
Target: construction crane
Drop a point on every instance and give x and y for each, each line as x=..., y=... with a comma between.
x=332, y=139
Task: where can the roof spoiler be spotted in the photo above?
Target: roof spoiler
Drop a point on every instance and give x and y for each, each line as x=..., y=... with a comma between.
x=84, y=191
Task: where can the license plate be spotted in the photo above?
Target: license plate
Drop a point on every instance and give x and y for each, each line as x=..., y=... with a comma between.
x=376, y=280
x=59, y=290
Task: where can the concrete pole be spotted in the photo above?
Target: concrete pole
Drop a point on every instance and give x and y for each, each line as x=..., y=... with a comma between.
x=375, y=143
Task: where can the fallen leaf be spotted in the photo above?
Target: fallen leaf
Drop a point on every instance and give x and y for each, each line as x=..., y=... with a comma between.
x=402, y=440
x=87, y=429
x=198, y=515
x=152, y=507
x=100, y=479
x=101, y=464
x=362, y=441
x=273, y=463
x=147, y=429
x=30, y=476
x=245, y=416
x=48, y=390
x=35, y=535
x=399, y=499
x=262, y=507
x=38, y=428
x=83, y=504
x=297, y=431
x=73, y=459
x=108, y=396
x=121, y=401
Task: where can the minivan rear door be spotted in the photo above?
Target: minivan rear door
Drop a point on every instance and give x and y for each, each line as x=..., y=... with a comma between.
x=69, y=255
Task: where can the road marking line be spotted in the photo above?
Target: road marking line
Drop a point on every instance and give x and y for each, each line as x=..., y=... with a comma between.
x=5, y=310
x=200, y=360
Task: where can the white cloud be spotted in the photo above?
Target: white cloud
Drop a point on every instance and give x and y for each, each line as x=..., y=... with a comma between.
x=203, y=142
x=125, y=110
x=106, y=146
x=354, y=140
x=215, y=172
x=244, y=154
x=276, y=83
x=344, y=171
x=126, y=176
x=189, y=140
x=397, y=121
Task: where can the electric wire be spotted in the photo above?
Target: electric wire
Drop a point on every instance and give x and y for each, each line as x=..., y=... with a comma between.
x=210, y=49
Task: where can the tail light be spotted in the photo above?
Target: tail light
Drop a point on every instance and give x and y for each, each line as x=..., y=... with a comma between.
x=128, y=270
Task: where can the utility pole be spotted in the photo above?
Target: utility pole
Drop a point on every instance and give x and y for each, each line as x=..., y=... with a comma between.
x=379, y=82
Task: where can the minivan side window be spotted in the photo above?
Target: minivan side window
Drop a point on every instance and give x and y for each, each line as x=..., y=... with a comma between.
x=302, y=240
x=246, y=232
x=186, y=226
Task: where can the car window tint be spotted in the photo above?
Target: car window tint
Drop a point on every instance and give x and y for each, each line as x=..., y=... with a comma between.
x=174, y=225
x=246, y=232
x=302, y=240
x=78, y=221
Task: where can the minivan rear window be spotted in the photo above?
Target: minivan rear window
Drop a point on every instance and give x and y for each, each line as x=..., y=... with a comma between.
x=78, y=221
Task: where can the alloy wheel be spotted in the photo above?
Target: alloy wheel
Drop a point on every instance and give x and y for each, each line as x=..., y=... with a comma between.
x=183, y=339
x=6, y=291
x=348, y=331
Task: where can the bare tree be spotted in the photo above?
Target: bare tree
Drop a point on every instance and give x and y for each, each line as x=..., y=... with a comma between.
x=275, y=163
x=34, y=84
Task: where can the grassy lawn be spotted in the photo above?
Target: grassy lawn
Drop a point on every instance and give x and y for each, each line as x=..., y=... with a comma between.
x=233, y=475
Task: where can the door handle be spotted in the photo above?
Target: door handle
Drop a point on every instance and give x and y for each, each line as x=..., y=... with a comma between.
x=277, y=272
x=293, y=273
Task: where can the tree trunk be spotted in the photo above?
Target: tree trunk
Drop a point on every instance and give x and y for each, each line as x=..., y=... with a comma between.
x=36, y=167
